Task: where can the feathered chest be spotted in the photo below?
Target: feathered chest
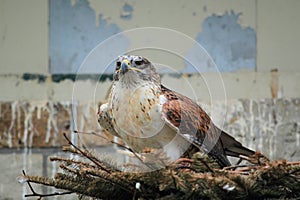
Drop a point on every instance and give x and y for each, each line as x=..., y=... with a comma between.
x=136, y=110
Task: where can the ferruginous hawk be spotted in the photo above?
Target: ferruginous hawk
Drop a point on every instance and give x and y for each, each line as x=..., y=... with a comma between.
x=145, y=114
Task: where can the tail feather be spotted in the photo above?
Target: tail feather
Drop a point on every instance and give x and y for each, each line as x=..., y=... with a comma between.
x=221, y=159
x=233, y=147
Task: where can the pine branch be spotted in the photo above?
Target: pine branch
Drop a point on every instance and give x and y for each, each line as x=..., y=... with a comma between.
x=119, y=145
x=198, y=177
x=40, y=196
x=87, y=155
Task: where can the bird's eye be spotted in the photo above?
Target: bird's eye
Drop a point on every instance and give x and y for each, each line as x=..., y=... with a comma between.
x=139, y=62
x=118, y=65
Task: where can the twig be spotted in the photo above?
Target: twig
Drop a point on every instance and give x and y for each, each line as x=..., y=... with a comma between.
x=235, y=166
x=109, y=178
x=35, y=194
x=287, y=174
x=93, y=159
x=180, y=160
x=70, y=161
x=185, y=167
x=294, y=163
x=199, y=158
x=74, y=171
x=119, y=145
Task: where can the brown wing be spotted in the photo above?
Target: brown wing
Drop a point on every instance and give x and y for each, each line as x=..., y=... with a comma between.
x=191, y=120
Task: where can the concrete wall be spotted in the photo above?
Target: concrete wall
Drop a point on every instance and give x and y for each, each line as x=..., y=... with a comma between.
x=250, y=85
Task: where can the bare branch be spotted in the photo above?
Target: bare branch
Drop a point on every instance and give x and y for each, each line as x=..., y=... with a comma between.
x=35, y=194
x=119, y=145
x=87, y=155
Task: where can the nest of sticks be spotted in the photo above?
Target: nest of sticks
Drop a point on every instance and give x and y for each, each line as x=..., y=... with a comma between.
x=199, y=177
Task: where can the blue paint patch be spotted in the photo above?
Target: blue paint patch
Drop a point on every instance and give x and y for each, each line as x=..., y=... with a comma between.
x=231, y=46
x=73, y=34
x=127, y=12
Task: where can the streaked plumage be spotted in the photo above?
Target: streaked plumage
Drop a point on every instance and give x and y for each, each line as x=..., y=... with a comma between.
x=146, y=114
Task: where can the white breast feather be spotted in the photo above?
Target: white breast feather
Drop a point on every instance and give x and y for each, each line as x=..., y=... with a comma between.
x=145, y=129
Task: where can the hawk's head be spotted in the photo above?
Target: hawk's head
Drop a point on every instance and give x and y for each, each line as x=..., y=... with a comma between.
x=135, y=69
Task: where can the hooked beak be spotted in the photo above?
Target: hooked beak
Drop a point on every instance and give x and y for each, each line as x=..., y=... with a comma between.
x=125, y=66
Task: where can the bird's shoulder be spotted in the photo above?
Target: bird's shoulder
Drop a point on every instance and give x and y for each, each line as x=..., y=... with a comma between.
x=182, y=111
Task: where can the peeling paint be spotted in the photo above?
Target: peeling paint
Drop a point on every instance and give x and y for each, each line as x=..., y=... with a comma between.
x=231, y=46
x=127, y=12
x=73, y=34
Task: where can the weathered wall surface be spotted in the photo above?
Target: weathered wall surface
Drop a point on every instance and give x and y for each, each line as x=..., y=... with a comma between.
x=246, y=40
x=269, y=125
x=254, y=46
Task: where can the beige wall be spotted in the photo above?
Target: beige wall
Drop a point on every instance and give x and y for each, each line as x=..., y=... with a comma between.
x=278, y=31
x=24, y=36
x=24, y=43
